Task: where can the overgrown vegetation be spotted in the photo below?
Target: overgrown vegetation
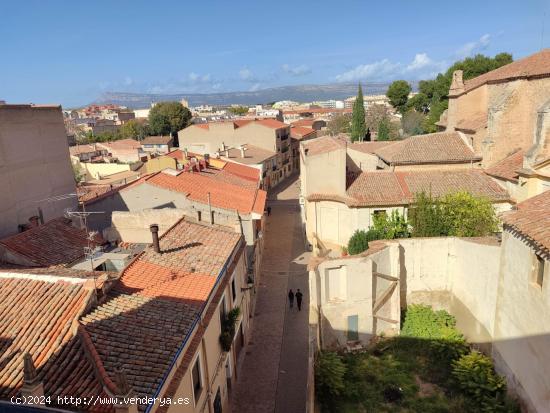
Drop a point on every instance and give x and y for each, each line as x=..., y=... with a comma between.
x=228, y=328
x=458, y=214
x=429, y=368
x=358, y=242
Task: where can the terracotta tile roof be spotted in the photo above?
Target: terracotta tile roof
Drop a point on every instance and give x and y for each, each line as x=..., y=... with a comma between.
x=158, y=301
x=156, y=140
x=243, y=171
x=472, y=123
x=370, y=147
x=141, y=333
x=536, y=65
x=226, y=176
x=120, y=144
x=197, y=187
x=375, y=188
x=398, y=188
x=303, y=122
x=440, y=183
x=300, y=132
x=201, y=125
x=79, y=149
x=272, y=123
x=441, y=147
x=55, y=243
x=323, y=144
x=507, y=168
x=241, y=122
x=36, y=317
x=531, y=221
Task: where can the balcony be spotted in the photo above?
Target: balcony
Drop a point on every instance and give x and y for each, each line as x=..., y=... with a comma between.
x=284, y=150
x=284, y=137
x=286, y=161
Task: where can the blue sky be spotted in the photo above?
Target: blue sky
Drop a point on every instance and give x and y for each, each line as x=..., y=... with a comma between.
x=70, y=52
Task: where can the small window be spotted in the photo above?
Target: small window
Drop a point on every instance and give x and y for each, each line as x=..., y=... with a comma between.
x=538, y=273
x=223, y=312
x=233, y=289
x=199, y=216
x=212, y=217
x=197, y=379
x=353, y=327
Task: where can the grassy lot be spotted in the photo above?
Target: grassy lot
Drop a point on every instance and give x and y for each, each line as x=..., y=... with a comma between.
x=410, y=374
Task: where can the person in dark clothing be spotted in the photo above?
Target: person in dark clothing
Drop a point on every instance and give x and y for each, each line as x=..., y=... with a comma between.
x=291, y=298
x=268, y=211
x=299, y=296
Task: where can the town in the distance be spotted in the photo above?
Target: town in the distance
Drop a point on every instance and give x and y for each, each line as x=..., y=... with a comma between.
x=387, y=251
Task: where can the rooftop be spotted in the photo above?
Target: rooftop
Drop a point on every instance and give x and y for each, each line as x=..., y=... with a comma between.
x=441, y=147
x=369, y=147
x=324, y=144
x=156, y=140
x=121, y=144
x=399, y=188
x=199, y=188
x=253, y=155
x=300, y=132
x=536, y=65
x=57, y=242
x=507, y=168
x=531, y=221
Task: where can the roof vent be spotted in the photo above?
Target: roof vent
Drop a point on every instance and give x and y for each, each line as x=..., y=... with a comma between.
x=155, y=234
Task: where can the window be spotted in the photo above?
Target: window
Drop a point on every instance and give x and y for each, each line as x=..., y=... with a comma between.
x=199, y=216
x=223, y=312
x=197, y=379
x=538, y=271
x=353, y=327
x=212, y=217
x=379, y=213
x=233, y=290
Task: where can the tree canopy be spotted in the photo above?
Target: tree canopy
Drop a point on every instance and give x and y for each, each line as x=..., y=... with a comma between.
x=358, y=126
x=339, y=124
x=133, y=130
x=398, y=94
x=167, y=118
x=238, y=110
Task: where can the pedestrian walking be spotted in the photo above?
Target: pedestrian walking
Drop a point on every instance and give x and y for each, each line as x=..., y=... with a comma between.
x=299, y=296
x=268, y=211
x=291, y=298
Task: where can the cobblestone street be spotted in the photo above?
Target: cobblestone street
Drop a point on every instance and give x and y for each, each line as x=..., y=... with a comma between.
x=273, y=377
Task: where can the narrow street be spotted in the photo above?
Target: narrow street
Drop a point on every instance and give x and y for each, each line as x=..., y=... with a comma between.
x=273, y=377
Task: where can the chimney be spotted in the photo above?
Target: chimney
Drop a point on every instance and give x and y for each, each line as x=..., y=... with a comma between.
x=223, y=146
x=185, y=152
x=457, y=85
x=32, y=386
x=155, y=234
x=35, y=221
x=242, y=148
x=124, y=396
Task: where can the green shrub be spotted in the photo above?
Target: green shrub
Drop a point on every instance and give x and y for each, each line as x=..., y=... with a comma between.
x=394, y=226
x=358, y=242
x=228, y=328
x=329, y=376
x=475, y=376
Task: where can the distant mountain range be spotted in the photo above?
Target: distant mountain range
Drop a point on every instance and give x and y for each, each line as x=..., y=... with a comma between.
x=301, y=93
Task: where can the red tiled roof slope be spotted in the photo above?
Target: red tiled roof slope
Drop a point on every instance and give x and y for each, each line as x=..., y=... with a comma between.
x=441, y=147
x=506, y=168
x=536, y=65
x=35, y=317
x=55, y=243
x=323, y=144
x=532, y=221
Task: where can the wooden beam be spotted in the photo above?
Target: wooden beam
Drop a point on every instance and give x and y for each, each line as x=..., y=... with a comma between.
x=384, y=276
x=389, y=320
x=383, y=297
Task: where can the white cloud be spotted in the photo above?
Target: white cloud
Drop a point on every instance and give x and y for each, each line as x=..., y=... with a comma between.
x=420, y=61
x=195, y=78
x=296, y=70
x=377, y=70
x=472, y=47
x=245, y=74
x=421, y=67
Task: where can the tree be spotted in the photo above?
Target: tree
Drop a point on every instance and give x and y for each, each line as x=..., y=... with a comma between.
x=394, y=226
x=329, y=376
x=238, y=110
x=459, y=214
x=411, y=122
x=419, y=102
x=383, y=130
x=358, y=127
x=358, y=242
x=339, y=124
x=133, y=130
x=78, y=174
x=398, y=94
x=167, y=118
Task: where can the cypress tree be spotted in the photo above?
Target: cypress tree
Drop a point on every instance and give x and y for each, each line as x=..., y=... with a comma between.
x=358, y=127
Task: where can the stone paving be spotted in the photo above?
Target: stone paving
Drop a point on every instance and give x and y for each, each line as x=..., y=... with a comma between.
x=273, y=376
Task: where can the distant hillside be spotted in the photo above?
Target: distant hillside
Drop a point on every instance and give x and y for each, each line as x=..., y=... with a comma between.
x=302, y=93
